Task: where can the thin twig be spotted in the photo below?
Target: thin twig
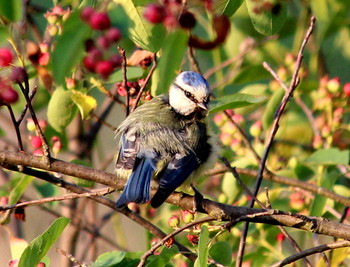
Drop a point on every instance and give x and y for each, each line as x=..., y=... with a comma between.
x=125, y=81
x=24, y=111
x=92, y=114
x=15, y=124
x=95, y=192
x=275, y=126
x=171, y=235
x=45, y=146
x=149, y=75
x=311, y=251
x=239, y=180
x=238, y=57
x=193, y=60
x=275, y=75
x=244, y=136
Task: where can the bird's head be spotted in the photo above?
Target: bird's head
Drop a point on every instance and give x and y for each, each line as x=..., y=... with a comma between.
x=189, y=93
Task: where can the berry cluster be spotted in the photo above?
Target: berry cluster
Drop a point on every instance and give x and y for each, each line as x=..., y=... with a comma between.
x=55, y=17
x=96, y=60
x=331, y=100
x=134, y=89
x=171, y=14
x=36, y=142
x=228, y=135
x=8, y=95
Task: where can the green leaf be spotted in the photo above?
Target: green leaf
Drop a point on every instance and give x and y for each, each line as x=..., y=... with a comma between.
x=230, y=187
x=146, y=35
x=61, y=109
x=329, y=176
x=14, y=197
x=203, y=249
x=234, y=101
x=227, y=7
x=84, y=102
x=19, y=189
x=4, y=34
x=131, y=259
x=271, y=107
x=173, y=51
x=267, y=22
x=221, y=252
x=330, y=156
x=165, y=256
x=69, y=47
x=131, y=74
x=108, y=259
x=46, y=189
x=11, y=9
x=38, y=248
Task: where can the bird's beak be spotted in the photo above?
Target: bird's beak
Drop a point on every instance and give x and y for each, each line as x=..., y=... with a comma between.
x=203, y=106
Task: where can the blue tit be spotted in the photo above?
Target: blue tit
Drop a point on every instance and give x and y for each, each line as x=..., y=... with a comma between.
x=164, y=141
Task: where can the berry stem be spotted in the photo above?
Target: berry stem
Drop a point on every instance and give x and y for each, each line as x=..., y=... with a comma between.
x=125, y=80
x=149, y=75
x=40, y=133
x=16, y=125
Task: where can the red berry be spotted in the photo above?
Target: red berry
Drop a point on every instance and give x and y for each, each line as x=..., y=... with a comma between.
x=104, y=68
x=92, y=58
x=346, y=89
x=187, y=20
x=36, y=142
x=44, y=59
x=155, y=13
x=38, y=152
x=18, y=75
x=171, y=22
x=280, y=237
x=121, y=89
x=86, y=13
x=95, y=54
x=6, y=57
x=193, y=239
x=89, y=63
x=116, y=60
x=113, y=35
x=8, y=95
x=103, y=42
x=99, y=21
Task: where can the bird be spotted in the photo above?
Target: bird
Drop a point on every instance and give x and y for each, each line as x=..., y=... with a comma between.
x=164, y=141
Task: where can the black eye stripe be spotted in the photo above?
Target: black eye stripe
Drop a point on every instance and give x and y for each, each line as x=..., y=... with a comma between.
x=187, y=94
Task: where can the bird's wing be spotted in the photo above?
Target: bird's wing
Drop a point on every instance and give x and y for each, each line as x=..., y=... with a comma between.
x=177, y=171
x=138, y=187
x=127, y=152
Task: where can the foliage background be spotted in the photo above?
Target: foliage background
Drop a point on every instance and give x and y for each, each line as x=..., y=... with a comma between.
x=254, y=37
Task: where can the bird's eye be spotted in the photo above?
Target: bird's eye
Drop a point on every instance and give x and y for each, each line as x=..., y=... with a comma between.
x=187, y=94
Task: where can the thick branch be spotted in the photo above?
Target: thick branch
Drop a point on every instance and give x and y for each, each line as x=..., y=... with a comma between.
x=217, y=210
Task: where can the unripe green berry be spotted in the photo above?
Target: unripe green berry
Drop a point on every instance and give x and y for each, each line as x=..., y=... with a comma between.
x=174, y=221
x=187, y=216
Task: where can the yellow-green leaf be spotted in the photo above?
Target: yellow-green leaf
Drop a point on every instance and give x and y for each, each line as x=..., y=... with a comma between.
x=61, y=109
x=84, y=102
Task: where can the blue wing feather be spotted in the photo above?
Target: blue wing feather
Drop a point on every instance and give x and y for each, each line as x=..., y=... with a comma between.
x=138, y=186
x=178, y=170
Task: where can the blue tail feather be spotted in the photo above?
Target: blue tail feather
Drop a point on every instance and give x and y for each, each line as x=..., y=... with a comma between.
x=138, y=186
